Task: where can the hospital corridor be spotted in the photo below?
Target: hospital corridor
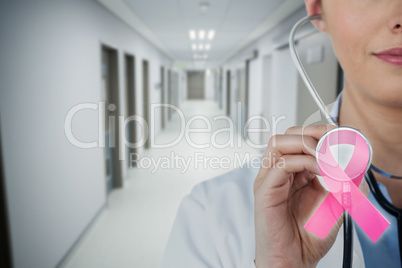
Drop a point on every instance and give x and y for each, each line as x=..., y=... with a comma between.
x=112, y=111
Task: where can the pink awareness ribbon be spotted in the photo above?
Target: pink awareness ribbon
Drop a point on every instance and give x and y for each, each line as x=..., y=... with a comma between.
x=343, y=185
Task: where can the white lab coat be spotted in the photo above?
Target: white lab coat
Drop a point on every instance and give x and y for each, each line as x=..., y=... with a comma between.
x=214, y=227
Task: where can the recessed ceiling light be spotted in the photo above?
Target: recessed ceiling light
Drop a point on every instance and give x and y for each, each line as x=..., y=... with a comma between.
x=194, y=46
x=207, y=47
x=201, y=46
x=211, y=34
x=201, y=34
x=193, y=35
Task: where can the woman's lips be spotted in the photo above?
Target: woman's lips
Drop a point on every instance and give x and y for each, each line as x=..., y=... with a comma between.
x=392, y=56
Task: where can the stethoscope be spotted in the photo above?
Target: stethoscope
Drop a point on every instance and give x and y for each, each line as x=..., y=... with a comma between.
x=369, y=176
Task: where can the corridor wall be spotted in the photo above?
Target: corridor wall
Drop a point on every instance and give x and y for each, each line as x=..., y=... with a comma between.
x=50, y=62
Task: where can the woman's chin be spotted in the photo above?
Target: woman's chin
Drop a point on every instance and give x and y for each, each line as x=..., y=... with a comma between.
x=390, y=98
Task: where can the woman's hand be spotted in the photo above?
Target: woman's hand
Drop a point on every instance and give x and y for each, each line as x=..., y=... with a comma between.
x=287, y=193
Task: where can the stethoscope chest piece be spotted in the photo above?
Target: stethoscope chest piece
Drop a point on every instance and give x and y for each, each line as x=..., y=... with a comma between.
x=344, y=151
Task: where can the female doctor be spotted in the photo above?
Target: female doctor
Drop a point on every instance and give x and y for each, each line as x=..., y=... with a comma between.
x=255, y=217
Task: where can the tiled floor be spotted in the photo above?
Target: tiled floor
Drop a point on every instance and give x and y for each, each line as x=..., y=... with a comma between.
x=133, y=229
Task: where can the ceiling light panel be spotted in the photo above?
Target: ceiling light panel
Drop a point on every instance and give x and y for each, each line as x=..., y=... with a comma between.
x=201, y=34
x=192, y=34
x=211, y=34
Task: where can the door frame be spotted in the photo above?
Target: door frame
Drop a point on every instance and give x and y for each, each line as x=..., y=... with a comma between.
x=113, y=91
x=175, y=89
x=228, y=95
x=220, y=88
x=169, y=95
x=131, y=97
x=163, y=123
x=146, y=99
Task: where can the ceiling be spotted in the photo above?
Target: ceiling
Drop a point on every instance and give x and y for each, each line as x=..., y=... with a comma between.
x=167, y=23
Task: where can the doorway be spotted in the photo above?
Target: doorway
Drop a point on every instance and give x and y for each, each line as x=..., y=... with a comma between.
x=175, y=89
x=228, y=95
x=131, y=99
x=220, y=88
x=162, y=97
x=241, y=98
x=146, y=99
x=195, y=85
x=169, y=93
x=110, y=95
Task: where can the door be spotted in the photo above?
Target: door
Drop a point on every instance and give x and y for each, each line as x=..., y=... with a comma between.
x=162, y=97
x=195, y=85
x=228, y=95
x=220, y=88
x=241, y=99
x=169, y=92
x=175, y=89
x=146, y=98
x=110, y=95
x=130, y=98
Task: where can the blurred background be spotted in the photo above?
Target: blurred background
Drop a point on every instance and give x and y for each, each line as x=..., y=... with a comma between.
x=70, y=69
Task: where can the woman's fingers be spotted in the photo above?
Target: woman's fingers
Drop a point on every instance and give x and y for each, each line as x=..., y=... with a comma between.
x=280, y=180
x=280, y=145
x=316, y=131
x=292, y=144
x=296, y=141
x=278, y=175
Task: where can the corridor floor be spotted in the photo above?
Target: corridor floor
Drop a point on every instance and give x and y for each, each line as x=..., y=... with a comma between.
x=134, y=226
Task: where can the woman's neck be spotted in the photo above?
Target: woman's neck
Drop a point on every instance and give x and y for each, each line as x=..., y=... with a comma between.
x=382, y=125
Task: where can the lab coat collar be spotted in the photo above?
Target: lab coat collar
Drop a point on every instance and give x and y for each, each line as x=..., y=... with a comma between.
x=336, y=108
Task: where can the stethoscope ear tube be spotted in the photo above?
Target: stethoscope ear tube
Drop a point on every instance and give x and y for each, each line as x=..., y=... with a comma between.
x=302, y=71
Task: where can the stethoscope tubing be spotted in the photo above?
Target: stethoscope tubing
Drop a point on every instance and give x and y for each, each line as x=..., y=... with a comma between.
x=347, y=219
